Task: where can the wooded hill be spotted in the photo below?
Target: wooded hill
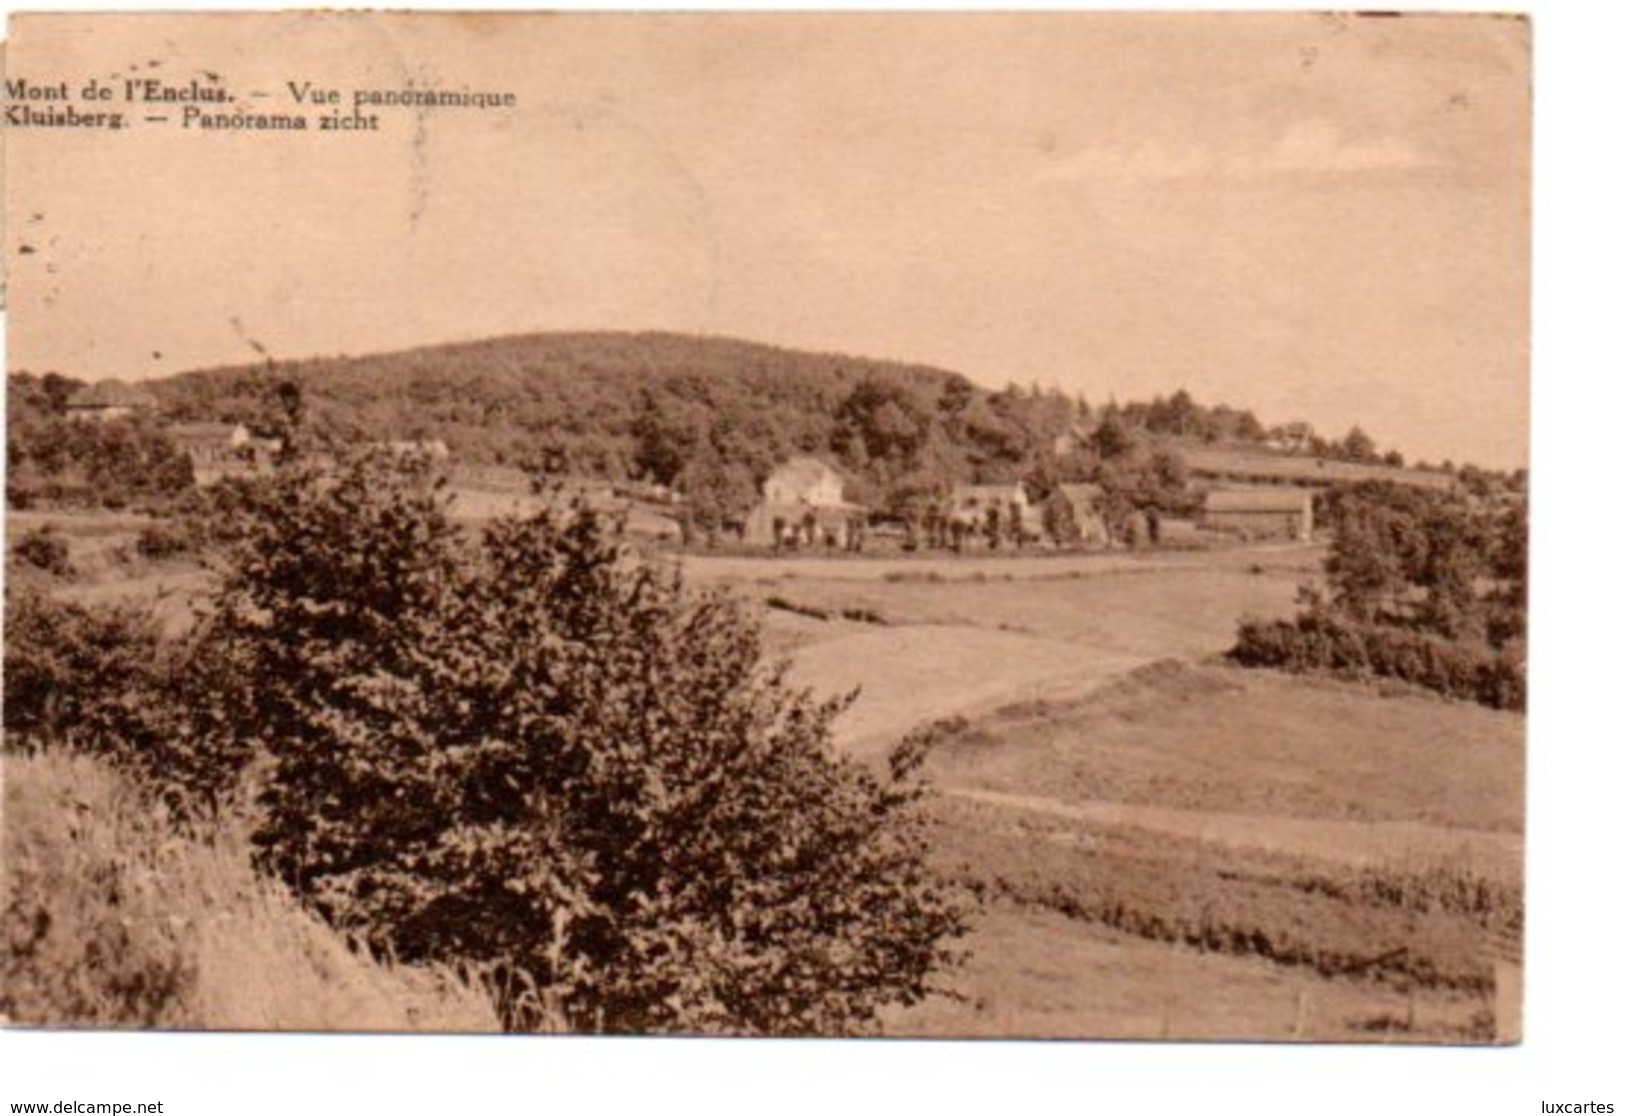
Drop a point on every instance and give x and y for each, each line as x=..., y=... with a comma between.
x=709, y=416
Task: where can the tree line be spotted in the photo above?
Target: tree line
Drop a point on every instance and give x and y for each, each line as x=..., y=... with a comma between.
x=1425, y=586
x=52, y=460
x=708, y=417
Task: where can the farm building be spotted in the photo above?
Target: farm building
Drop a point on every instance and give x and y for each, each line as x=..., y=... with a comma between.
x=219, y=449
x=804, y=504
x=1261, y=513
x=975, y=506
x=1074, y=514
x=109, y=400
x=1246, y=466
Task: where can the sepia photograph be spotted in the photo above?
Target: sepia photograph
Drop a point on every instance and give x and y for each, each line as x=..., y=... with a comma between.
x=909, y=525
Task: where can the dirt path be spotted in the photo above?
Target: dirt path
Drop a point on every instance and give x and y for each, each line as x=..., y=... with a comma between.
x=1360, y=844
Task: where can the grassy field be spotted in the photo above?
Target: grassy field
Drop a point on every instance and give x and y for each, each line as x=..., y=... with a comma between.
x=1148, y=611
x=1039, y=974
x=1218, y=738
x=1271, y=857
x=114, y=919
x=1162, y=845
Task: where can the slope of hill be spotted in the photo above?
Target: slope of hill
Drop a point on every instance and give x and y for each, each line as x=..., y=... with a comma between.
x=499, y=399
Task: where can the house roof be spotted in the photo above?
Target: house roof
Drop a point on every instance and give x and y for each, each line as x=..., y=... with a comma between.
x=1258, y=500
x=1240, y=463
x=804, y=472
x=112, y=393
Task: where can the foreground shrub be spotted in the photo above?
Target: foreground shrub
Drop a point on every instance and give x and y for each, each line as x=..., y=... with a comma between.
x=98, y=679
x=44, y=549
x=112, y=919
x=158, y=541
x=534, y=754
x=71, y=670
x=1318, y=641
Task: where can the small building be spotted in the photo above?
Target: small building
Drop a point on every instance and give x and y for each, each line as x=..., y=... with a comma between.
x=1074, y=515
x=209, y=443
x=1253, y=467
x=804, y=505
x=1261, y=513
x=974, y=508
x=109, y=400
x=222, y=449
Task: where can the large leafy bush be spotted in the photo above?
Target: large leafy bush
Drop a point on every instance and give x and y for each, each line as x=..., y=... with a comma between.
x=533, y=753
x=1321, y=641
x=100, y=679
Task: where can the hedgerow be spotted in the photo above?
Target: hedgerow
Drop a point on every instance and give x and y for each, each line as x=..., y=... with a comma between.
x=1318, y=641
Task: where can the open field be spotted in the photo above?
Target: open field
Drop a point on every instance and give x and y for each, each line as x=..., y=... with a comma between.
x=1163, y=845
x=96, y=541
x=1245, y=743
x=1039, y=974
x=1220, y=874
x=1143, y=614
x=906, y=676
x=932, y=646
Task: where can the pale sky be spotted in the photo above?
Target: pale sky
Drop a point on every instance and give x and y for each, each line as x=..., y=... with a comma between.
x=1322, y=217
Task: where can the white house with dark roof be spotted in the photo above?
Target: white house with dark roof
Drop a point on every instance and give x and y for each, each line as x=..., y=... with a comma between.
x=804, y=504
x=973, y=505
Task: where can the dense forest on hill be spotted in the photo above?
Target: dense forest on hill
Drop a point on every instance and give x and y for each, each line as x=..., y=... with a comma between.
x=577, y=398
x=707, y=416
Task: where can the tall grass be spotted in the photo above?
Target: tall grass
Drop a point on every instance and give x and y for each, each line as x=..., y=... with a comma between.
x=111, y=918
x=1437, y=926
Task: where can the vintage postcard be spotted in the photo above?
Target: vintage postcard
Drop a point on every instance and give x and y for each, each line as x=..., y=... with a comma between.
x=956, y=525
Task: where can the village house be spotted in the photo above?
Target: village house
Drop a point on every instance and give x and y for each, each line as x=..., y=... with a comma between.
x=803, y=505
x=1261, y=513
x=222, y=449
x=1074, y=515
x=974, y=508
x=109, y=400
